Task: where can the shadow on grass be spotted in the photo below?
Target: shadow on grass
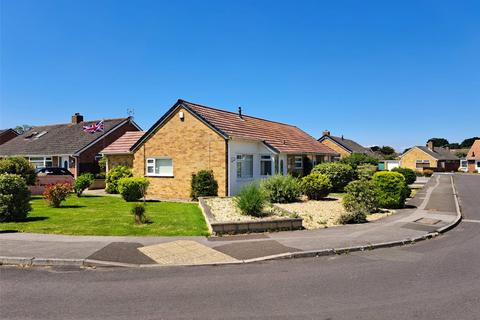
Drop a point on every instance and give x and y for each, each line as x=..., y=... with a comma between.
x=71, y=206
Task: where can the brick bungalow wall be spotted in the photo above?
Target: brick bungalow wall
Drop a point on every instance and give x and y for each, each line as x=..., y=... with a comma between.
x=193, y=146
x=409, y=159
x=332, y=145
x=115, y=160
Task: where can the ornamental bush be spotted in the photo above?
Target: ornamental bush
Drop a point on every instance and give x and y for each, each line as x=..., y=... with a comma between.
x=132, y=188
x=251, y=200
x=391, y=189
x=19, y=166
x=114, y=175
x=14, y=198
x=340, y=174
x=359, y=200
x=356, y=159
x=203, y=184
x=366, y=171
x=407, y=173
x=316, y=186
x=427, y=172
x=282, y=189
x=54, y=194
x=138, y=211
x=83, y=182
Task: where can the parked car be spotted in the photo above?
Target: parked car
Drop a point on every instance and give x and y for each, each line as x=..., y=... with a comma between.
x=54, y=171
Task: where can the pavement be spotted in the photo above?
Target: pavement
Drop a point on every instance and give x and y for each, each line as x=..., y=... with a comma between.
x=433, y=210
x=436, y=279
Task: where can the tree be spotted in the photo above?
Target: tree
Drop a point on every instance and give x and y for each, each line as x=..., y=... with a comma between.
x=387, y=150
x=439, y=142
x=467, y=143
x=454, y=145
x=22, y=128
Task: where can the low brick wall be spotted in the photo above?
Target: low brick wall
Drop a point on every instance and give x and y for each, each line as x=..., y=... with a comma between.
x=97, y=184
x=43, y=181
x=236, y=227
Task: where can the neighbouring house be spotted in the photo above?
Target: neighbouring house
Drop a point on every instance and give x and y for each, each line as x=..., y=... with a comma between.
x=239, y=149
x=68, y=145
x=419, y=158
x=473, y=157
x=388, y=164
x=7, y=135
x=343, y=146
x=118, y=153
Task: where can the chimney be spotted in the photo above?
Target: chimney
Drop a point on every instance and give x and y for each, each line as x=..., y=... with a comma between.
x=77, y=118
x=240, y=112
x=326, y=133
x=430, y=145
x=342, y=136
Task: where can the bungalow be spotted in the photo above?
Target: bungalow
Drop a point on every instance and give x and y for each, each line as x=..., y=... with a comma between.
x=343, y=146
x=67, y=145
x=7, y=135
x=473, y=157
x=238, y=149
x=429, y=157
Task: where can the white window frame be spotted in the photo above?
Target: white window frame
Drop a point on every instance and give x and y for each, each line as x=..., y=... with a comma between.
x=463, y=163
x=38, y=161
x=270, y=159
x=153, y=165
x=296, y=162
x=417, y=162
x=243, y=161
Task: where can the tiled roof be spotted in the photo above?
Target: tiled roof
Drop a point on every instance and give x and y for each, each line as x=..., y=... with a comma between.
x=57, y=139
x=350, y=145
x=123, y=144
x=282, y=137
x=474, y=152
x=439, y=153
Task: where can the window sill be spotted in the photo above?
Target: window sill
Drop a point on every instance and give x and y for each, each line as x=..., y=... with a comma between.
x=154, y=176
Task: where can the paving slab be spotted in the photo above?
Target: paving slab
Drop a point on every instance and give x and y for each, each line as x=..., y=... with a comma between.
x=184, y=252
x=124, y=252
x=253, y=249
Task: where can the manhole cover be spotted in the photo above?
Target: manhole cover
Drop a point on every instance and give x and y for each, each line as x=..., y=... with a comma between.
x=427, y=221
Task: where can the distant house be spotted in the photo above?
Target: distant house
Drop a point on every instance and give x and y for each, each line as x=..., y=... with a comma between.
x=67, y=145
x=473, y=157
x=7, y=135
x=343, y=146
x=118, y=153
x=239, y=149
x=429, y=157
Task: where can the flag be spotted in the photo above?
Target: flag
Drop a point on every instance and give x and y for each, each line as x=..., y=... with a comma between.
x=96, y=127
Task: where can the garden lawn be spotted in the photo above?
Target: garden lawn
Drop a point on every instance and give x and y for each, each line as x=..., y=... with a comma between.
x=110, y=216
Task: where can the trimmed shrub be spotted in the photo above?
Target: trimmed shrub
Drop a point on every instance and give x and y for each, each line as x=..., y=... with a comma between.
x=316, y=186
x=251, y=200
x=340, y=174
x=282, y=189
x=114, y=175
x=14, y=198
x=366, y=171
x=83, y=182
x=427, y=172
x=391, y=189
x=133, y=188
x=54, y=194
x=19, y=166
x=203, y=184
x=359, y=200
x=352, y=217
x=356, y=159
x=138, y=210
x=407, y=173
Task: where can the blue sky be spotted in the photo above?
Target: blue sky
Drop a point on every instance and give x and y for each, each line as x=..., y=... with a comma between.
x=380, y=72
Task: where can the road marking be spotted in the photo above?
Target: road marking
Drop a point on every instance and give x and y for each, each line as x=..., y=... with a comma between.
x=470, y=220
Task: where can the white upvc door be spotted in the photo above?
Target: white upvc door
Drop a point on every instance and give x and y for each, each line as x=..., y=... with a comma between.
x=64, y=162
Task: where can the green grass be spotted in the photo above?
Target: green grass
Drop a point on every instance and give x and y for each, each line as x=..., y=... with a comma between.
x=110, y=216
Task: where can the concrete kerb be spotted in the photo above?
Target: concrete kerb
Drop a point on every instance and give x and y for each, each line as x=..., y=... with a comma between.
x=33, y=261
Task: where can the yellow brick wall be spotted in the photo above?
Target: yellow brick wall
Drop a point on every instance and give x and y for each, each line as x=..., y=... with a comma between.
x=410, y=158
x=332, y=145
x=115, y=160
x=192, y=146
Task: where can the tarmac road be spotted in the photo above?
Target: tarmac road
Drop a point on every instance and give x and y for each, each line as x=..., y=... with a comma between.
x=434, y=279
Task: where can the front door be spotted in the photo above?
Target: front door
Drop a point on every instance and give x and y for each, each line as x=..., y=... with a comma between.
x=64, y=162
